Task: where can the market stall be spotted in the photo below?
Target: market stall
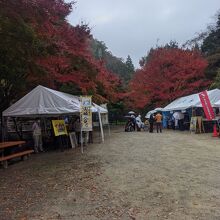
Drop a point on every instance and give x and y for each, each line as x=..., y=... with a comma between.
x=191, y=106
x=46, y=103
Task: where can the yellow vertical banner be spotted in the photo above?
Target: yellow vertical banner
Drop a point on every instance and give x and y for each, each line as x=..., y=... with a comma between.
x=86, y=113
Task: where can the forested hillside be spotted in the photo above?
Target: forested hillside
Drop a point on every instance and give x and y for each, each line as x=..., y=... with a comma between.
x=124, y=69
x=39, y=46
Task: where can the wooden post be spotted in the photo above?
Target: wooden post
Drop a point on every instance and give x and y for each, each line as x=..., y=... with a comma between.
x=81, y=138
x=101, y=127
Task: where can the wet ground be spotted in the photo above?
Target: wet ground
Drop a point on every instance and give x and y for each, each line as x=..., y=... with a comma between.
x=138, y=175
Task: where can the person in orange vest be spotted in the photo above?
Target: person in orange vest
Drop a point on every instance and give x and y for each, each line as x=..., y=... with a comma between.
x=158, y=118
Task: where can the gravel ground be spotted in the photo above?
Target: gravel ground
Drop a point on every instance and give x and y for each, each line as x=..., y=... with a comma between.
x=172, y=175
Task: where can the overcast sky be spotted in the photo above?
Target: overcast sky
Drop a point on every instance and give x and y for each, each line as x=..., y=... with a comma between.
x=134, y=26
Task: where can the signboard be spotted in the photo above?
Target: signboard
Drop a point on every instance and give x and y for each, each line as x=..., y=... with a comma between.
x=86, y=113
x=193, y=124
x=204, y=98
x=59, y=127
x=104, y=117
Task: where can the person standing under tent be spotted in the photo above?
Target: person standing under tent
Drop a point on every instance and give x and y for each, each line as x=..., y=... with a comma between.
x=77, y=129
x=37, y=136
x=181, y=121
x=186, y=119
x=175, y=122
x=158, y=119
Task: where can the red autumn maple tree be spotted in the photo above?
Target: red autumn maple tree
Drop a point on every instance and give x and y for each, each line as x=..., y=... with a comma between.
x=109, y=85
x=64, y=56
x=169, y=73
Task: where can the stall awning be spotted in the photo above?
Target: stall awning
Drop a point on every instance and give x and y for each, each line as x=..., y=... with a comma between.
x=192, y=101
x=42, y=101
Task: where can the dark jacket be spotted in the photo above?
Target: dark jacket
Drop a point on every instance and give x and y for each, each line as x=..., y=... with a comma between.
x=151, y=119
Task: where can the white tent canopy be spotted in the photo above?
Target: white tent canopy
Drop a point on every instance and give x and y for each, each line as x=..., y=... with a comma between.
x=192, y=101
x=217, y=104
x=96, y=108
x=42, y=101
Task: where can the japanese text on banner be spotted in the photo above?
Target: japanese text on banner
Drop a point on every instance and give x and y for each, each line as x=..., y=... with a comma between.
x=86, y=113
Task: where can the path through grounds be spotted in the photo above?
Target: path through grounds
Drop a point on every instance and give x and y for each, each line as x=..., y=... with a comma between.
x=173, y=175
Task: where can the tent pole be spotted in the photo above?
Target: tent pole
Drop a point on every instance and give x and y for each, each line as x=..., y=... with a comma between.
x=81, y=138
x=191, y=122
x=101, y=127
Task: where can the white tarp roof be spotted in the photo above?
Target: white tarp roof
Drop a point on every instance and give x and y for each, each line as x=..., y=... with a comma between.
x=192, y=101
x=217, y=104
x=44, y=101
x=97, y=108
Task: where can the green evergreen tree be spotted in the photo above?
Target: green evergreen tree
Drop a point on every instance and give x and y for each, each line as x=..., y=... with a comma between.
x=216, y=83
x=130, y=69
x=211, y=49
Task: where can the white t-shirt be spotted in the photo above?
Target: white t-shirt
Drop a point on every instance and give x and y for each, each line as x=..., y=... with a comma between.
x=138, y=121
x=36, y=129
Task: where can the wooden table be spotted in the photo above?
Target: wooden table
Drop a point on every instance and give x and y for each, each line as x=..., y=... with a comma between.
x=3, y=145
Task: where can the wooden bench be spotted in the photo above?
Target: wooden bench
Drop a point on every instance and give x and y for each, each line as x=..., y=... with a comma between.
x=23, y=155
x=12, y=144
